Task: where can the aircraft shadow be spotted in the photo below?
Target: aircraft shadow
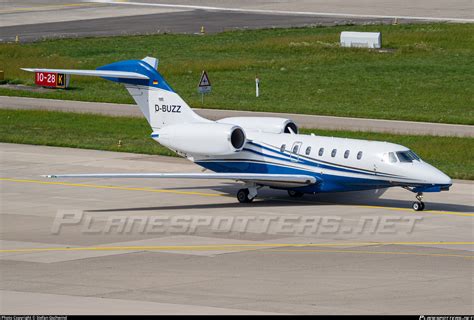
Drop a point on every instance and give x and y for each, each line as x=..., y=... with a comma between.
x=255, y=204
x=278, y=198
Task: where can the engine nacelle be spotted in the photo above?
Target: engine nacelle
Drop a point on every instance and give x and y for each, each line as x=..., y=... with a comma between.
x=263, y=124
x=202, y=138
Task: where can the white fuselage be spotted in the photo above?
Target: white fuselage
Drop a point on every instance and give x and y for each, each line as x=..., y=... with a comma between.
x=339, y=170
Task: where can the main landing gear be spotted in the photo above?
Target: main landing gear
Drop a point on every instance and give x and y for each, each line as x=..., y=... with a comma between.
x=247, y=195
x=418, y=205
x=295, y=194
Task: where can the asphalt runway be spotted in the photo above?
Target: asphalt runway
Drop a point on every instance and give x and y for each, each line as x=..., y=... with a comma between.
x=45, y=19
x=173, y=22
x=423, y=9
x=68, y=246
x=303, y=120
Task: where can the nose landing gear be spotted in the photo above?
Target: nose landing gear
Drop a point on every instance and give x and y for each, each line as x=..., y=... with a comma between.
x=418, y=205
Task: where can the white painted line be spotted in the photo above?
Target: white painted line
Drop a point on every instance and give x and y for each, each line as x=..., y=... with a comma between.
x=306, y=13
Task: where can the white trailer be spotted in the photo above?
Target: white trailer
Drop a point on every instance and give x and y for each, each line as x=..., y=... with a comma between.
x=361, y=39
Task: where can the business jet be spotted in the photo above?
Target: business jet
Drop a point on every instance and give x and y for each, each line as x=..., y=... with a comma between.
x=261, y=151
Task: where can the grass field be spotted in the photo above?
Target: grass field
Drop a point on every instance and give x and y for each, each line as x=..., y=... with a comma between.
x=428, y=76
x=450, y=154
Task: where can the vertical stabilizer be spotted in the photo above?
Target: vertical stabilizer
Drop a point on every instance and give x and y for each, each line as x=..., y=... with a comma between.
x=159, y=103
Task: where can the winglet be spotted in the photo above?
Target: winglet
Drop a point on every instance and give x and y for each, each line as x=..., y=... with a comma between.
x=152, y=62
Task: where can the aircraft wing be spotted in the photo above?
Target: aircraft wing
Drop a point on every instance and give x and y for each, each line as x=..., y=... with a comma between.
x=95, y=73
x=281, y=180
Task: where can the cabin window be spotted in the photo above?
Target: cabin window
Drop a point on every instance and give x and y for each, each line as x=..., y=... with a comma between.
x=295, y=149
x=321, y=152
x=333, y=153
x=346, y=154
x=391, y=157
x=359, y=155
x=282, y=148
x=308, y=151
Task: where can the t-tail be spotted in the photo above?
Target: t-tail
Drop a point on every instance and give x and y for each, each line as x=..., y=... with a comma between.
x=159, y=103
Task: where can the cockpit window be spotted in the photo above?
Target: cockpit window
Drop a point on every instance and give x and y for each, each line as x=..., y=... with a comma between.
x=414, y=155
x=391, y=157
x=404, y=157
x=407, y=156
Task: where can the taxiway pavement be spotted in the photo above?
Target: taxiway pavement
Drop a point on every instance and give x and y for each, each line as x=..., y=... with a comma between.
x=386, y=267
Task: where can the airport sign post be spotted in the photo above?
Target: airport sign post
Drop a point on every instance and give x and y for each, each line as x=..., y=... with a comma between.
x=204, y=85
x=257, y=87
x=52, y=80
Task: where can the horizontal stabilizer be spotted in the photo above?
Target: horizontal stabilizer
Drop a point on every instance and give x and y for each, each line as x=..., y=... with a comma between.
x=250, y=177
x=94, y=73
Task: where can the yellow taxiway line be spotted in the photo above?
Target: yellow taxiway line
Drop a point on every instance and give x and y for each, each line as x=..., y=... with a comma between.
x=379, y=252
x=220, y=247
x=463, y=214
x=111, y=187
x=262, y=247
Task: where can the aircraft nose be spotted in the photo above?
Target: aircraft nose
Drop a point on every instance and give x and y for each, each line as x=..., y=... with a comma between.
x=443, y=179
x=438, y=177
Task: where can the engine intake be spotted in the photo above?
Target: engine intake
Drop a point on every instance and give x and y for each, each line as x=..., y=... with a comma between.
x=237, y=138
x=290, y=127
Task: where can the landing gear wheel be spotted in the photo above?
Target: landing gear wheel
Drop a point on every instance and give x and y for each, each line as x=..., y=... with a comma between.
x=243, y=196
x=295, y=194
x=418, y=206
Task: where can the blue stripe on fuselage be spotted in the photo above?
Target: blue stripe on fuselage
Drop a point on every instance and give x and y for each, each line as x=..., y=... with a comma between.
x=330, y=183
x=314, y=162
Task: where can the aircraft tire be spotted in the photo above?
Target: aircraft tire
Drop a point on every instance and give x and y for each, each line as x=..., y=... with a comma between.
x=243, y=196
x=418, y=206
x=295, y=194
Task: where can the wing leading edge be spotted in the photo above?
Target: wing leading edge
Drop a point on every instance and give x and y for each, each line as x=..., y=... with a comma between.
x=93, y=73
x=289, y=180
